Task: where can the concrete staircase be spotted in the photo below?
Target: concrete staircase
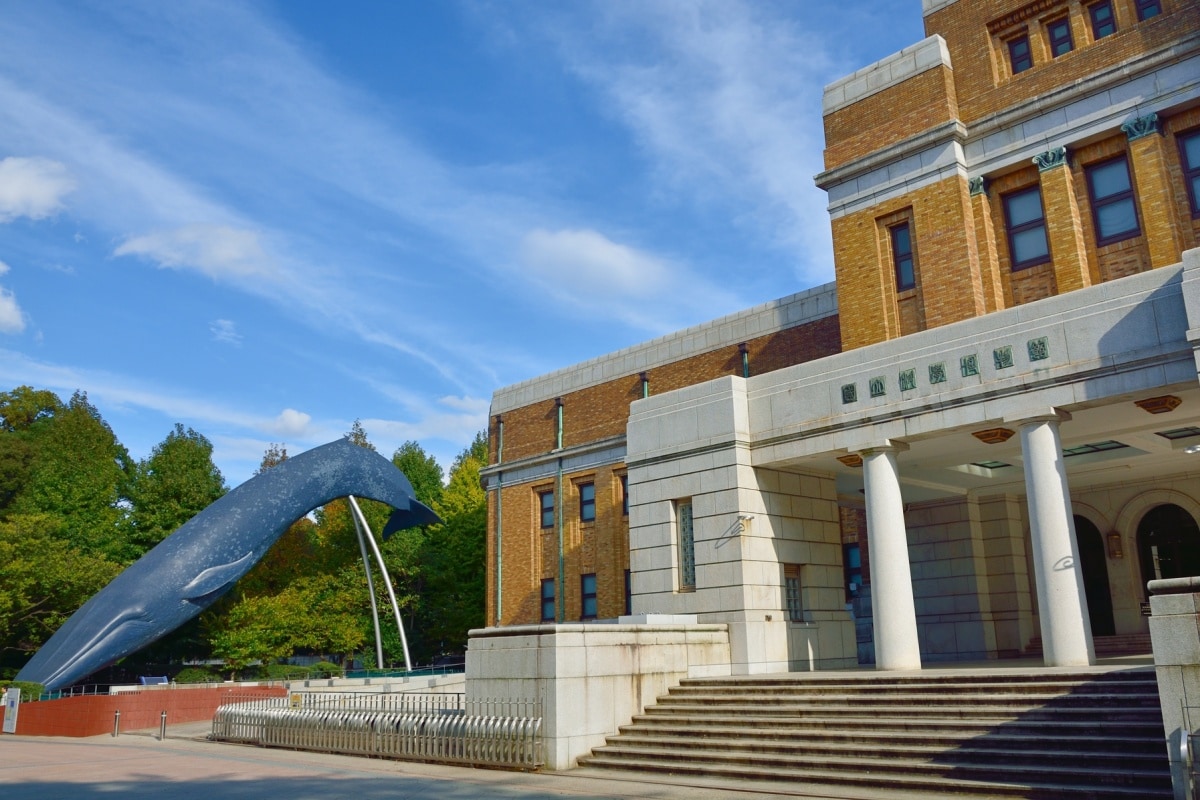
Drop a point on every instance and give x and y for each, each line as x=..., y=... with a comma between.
x=996, y=733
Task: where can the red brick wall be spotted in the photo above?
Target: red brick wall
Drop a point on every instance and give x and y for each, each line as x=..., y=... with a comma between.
x=92, y=715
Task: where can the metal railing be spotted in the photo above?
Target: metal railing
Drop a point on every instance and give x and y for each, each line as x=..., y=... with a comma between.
x=442, y=728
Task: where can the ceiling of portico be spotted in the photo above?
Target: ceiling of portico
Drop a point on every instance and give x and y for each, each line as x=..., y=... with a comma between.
x=947, y=464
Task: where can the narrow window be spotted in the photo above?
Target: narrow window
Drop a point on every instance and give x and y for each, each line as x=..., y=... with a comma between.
x=625, y=495
x=1026, y=228
x=902, y=257
x=1147, y=9
x=687, y=545
x=1111, y=193
x=548, y=600
x=852, y=566
x=587, y=594
x=628, y=593
x=547, y=503
x=1189, y=150
x=791, y=592
x=1103, y=21
x=1020, y=57
x=1059, y=34
x=587, y=502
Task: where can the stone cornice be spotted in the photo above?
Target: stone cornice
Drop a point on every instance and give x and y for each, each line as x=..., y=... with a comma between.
x=947, y=131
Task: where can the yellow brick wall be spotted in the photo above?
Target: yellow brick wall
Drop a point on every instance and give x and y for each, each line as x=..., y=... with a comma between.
x=892, y=115
x=975, y=33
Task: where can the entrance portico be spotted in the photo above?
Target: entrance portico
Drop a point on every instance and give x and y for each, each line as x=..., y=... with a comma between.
x=963, y=516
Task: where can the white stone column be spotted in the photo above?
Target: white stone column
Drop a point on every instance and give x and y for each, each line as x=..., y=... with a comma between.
x=895, y=615
x=1062, y=604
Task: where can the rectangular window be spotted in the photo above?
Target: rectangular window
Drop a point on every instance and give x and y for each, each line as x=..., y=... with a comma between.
x=791, y=592
x=548, y=605
x=1148, y=8
x=1026, y=228
x=625, y=495
x=902, y=257
x=687, y=545
x=1111, y=193
x=1059, y=34
x=1189, y=156
x=852, y=567
x=1020, y=57
x=1103, y=21
x=628, y=593
x=546, y=500
x=587, y=502
x=587, y=595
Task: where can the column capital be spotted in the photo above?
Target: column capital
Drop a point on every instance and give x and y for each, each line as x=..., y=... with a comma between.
x=1042, y=415
x=887, y=446
x=1141, y=127
x=1051, y=159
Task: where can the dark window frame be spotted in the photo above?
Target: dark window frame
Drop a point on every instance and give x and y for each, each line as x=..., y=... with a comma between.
x=1058, y=34
x=1099, y=203
x=1191, y=172
x=1147, y=9
x=1023, y=62
x=903, y=258
x=628, y=592
x=793, y=592
x=587, y=502
x=625, y=495
x=549, y=600
x=1010, y=230
x=546, y=509
x=1099, y=24
x=588, y=600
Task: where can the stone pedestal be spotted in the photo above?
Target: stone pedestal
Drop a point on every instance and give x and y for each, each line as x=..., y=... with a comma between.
x=1175, y=635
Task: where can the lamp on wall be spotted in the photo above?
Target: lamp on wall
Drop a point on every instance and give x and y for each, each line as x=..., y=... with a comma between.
x=1115, y=550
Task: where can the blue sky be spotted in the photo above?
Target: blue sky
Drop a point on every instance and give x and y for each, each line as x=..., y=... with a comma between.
x=268, y=219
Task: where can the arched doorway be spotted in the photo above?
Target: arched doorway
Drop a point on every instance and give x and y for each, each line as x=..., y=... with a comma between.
x=1168, y=540
x=1092, y=562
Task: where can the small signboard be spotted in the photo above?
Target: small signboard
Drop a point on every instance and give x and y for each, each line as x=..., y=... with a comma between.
x=297, y=700
x=1146, y=609
x=12, y=702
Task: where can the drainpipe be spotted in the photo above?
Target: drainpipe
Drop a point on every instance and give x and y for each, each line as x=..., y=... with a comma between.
x=558, y=509
x=645, y=383
x=499, y=520
x=744, y=350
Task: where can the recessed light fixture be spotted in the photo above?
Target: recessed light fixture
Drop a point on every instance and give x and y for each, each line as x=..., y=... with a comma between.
x=1192, y=449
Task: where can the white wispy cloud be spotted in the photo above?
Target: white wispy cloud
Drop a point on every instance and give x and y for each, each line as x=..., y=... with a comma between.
x=215, y=250
x=32, y=187
x=225, y=331
x=12, y=319
x=292, y=423
x=725, y=98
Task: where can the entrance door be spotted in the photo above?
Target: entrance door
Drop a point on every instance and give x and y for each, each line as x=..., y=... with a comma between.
x=1093, y=563
x=1168, y=544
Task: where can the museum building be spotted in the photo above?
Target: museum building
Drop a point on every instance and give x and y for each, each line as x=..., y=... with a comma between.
x=982, y=439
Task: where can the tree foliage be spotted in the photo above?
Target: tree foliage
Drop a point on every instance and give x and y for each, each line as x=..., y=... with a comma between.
x=177, y=482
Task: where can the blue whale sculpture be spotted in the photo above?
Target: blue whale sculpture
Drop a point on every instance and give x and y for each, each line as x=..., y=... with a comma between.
x=190, y=569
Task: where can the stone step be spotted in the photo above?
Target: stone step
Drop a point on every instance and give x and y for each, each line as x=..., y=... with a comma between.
x=1121, y=644
x=865, y=711
x=870, y=786
x=1025, y=700
x=1086, y=740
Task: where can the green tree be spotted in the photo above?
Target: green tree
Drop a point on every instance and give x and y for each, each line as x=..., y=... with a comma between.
x=43, y=580
x=454, y=558
x=77, y=471
x=177, y=482
x=422, y=470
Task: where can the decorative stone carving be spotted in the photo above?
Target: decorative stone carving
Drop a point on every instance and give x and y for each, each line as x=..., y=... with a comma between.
x=977, y=185
x=1159, y=405
x=849, y=393
x=1003, y=357
x=878, y=388
x=1142, y=126
x=1039, y=349
x=1051, y=159
x=969, y=365
x=908, y=379
x=994, y=435
x=937, y=372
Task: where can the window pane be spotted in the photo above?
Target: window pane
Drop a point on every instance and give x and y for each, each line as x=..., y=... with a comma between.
x=1103, y=23
x=687, y=548
x=1060, y=37
x=1030, y=245
x=547, y=499
x=587, y=502
x=1023, y=207
x=1191, y=152
x=1018, y=53
x=1148, y=8
x=1109, y=179
x=1116, y=218
x=548, y=599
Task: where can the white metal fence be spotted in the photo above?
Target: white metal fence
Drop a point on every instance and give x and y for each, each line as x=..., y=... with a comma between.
x=443, y=728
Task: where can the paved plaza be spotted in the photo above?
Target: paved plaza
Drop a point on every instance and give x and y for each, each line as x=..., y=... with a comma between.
x=137, y=766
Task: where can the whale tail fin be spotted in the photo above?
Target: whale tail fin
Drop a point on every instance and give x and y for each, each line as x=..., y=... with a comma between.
x=416, y=514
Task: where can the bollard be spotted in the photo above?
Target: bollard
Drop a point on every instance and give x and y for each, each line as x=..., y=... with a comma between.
x=117, y=723
x=162, y=727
